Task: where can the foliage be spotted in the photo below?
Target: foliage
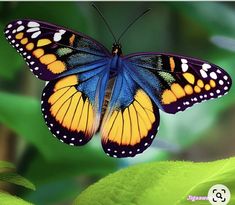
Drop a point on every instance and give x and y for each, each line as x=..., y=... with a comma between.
x=7, y=199
x=7, y=174
x=160, y=183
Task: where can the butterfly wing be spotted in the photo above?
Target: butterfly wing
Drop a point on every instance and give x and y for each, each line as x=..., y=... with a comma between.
x=51, y=50
x=131, y=120
x=71, y=105
x=177, y=82
x=76, y=67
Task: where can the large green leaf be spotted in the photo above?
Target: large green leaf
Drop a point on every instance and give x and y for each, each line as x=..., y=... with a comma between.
x=160, y=183
x=7, y=199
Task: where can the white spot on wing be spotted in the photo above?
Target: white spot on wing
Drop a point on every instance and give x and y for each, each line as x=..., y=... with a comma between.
x=20, y=28
x=184, y=60
x=221, y=82
x=57, y=37
x=184, y=67
x=213, y=75
x=35, y=35
x=33, y=24
x=61, y=31
x=206, y=66
x=33, y=29
x=225, y=77
x=203, y=73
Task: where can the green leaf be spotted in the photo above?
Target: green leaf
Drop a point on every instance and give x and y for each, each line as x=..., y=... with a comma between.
x=16, y=179
x=7, y=199
x=160, y=183
x=7, y=165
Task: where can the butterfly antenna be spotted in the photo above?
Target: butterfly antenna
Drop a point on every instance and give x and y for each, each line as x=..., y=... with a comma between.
x=136, y=19
x=101, y=15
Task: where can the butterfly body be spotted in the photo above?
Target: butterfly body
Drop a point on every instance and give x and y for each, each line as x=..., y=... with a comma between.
x=93, y=90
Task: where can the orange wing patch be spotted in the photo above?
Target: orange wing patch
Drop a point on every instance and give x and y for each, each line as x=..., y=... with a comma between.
x=51, y=62
x=130, y=131
x=176, y=91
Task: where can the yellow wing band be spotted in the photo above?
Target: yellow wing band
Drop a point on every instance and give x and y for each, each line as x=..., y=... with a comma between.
x=129, y=126
x=69, y=108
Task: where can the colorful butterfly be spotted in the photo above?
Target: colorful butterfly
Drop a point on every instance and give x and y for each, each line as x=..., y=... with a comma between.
x=79, y=71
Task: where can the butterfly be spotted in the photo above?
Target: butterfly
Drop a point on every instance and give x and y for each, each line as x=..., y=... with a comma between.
x=80, y=72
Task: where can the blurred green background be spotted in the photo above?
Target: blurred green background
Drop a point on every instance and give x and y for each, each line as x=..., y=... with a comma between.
x=205, y=132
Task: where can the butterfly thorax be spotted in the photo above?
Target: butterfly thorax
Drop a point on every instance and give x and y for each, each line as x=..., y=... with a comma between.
x=117, y=49
x=115, y=62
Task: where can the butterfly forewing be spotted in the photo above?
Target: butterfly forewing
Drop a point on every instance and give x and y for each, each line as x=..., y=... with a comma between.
x=178, y=82
x=50, y=50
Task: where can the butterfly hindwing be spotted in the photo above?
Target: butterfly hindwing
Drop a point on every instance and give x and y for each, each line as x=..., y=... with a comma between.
x=131, y=120
x=50, y=50
x=178, y=82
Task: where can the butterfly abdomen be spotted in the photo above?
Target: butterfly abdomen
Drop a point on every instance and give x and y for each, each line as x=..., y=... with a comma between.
x=107, y=96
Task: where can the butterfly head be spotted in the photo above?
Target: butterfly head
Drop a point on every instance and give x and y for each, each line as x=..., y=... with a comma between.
x=117, y=49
